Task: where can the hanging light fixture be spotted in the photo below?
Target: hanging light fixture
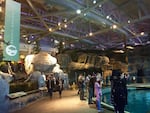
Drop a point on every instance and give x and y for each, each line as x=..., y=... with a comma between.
x=50, y=29
x=118, y=51
x=78, y=11
x=90, y=34
x=94, y=1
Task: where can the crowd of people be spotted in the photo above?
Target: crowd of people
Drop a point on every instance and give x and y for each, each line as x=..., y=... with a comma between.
x=92, y=86
x=54, y=84
x=49, y=82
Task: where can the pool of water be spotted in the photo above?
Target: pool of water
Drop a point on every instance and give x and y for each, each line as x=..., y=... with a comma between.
x=138, y=101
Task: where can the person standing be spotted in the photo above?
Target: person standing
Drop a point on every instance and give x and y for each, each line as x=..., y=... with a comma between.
x=81, y=86
x=50, y=85
x=91, y=89
x=87, y=79
x=118, y=91
x=98, y=92
x=60, y=86
x=42, y=83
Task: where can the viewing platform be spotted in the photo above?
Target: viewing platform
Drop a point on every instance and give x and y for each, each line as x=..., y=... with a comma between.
x=68, y=103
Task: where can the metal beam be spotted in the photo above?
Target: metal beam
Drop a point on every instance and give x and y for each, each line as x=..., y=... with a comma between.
x=56, y=33
x=142, y=6
x=35, y=11
x=52, y=14
x=73, y=5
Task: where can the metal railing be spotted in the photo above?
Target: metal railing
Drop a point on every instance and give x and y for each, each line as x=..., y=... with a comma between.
x=131, y=80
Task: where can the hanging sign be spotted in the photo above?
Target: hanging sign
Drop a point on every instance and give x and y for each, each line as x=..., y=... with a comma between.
x=12, y=31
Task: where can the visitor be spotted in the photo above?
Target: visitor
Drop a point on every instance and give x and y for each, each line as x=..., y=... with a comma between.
x=50, y=85
x=98, y=91
x=81, y=86
x=87, y=80
x=118, y=91
x=42, y=83
x=60, y=86
x=91, y=89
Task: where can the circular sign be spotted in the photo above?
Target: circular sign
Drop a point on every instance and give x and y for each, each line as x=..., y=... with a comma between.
x=11, y=50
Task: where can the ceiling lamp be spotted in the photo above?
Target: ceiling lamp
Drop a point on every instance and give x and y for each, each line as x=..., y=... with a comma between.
x=78, y=11
x=59, y=23
x=63, y=43
x=114, y=26
x=65, y=25
x=29, y=41
x=142, y=33
x=32, y=36
x=118, y=51
x=72, y=45
x=56, y=41
x=26, y=38
x=94, y=1
x=35, y=42
x=107, y=17
x=50, y=29
x=90, y=34
x=129, y=21
x=84, y=14
x=130, y=47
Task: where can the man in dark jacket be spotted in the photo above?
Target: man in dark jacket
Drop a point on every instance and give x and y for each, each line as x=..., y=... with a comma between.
x=118, y=91
x=91, y=89
x=50, y=85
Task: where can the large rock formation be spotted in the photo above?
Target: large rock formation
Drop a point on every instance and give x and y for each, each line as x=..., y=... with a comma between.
x=40, y=62
x=87, y=61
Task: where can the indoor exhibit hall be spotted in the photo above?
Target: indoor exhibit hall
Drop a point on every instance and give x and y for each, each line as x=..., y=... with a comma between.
x=74, y=56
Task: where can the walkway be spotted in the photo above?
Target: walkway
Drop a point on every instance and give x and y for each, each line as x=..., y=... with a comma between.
x=69, y=103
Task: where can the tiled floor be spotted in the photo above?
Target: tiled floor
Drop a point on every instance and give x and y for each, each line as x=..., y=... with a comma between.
x=68, y=103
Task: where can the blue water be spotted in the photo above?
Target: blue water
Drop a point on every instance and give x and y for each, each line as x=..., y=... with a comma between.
x=138, y=101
